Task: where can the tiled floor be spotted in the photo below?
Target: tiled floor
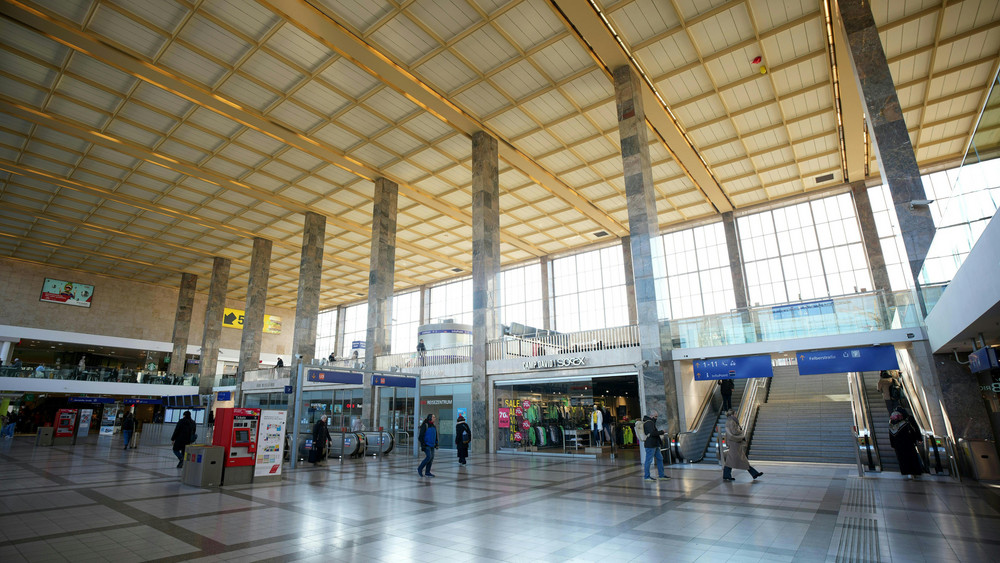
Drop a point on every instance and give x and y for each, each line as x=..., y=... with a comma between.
x=96, y=502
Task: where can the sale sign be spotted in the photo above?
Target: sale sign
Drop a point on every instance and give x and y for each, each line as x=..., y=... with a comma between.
x=518, y=412
x=517, y=436
x=503, y=417
x=526, y=404
x=525, y=424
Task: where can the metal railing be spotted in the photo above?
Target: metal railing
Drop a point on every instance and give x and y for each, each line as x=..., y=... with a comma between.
x=267, y=374
x=512, y=347
x=413, y=361
x=105, y=375
x=866, y=452
x=705, y=420
x=754, y=396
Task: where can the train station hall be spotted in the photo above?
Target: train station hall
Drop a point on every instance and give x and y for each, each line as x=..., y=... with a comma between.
x=500, y=280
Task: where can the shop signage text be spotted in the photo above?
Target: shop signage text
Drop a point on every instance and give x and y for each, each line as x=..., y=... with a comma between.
x=555, y=363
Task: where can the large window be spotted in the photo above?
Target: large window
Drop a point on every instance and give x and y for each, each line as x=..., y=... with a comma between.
x=696, y=279
x=803, y=251
x=521, y=296
x=452, y=301
x=589, y=291
x=405, y=321
x=326, y=333
x=355, y=328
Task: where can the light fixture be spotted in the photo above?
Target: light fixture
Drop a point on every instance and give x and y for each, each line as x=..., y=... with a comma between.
x=920, y=203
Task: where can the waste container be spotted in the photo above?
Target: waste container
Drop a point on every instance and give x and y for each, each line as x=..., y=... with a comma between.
x=203, y=465
x=981, y=456
x=45, y=436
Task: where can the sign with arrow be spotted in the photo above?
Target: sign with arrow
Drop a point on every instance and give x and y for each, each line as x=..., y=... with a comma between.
x=740, y=367
x=845, y=360
x=233, y=318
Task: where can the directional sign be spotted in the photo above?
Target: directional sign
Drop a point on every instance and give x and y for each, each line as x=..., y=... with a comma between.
x=233, y=318
x=225, y=396
x=92, y=400
x=740, y=367
x=327, y=376
x=983, y=359
x=844, y=360
x=393, y=381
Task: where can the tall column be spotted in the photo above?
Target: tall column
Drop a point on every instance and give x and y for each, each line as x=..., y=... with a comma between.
x=380, y=277
x=253, y=319
x=425, y=305
x=182, y=323
x=735, y=260
x=214, y=309
x=891, y=140
x=310, y=283
x=543, y=262
x=658, y=385
x=485, y=275
x=633, y=311
x=869, y=235
x=340, y=334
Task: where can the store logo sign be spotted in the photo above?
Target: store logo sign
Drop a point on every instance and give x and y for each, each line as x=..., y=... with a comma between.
x=556, y=363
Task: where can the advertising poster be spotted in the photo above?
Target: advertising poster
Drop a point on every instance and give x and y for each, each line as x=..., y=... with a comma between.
x=270, y=443
x=503, y=416
x=67, y=293
x=233, y=318
x=108, y=420
x=85, y=416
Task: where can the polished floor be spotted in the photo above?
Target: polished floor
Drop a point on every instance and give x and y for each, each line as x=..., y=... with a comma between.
x=96, y=502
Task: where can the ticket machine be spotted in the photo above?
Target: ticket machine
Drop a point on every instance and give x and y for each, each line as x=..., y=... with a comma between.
x=236, y=431
x=65, y=427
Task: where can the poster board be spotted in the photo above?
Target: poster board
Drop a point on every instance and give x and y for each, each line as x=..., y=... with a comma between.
x=270, y=443
x=86, y=415
x=66, y=292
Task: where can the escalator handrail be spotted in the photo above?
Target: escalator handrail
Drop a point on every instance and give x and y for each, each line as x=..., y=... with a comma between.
x=863, y=418
x=917, y=407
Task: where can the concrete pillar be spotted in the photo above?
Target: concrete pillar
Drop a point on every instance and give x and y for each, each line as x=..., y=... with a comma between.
x=633, y=312
x=425, y=305
x=310, y=284
x=485, y=277
x=869, y=235
x=253, y=319
x=341, y=330
x=382, y=268
x=735, y=260
x=182, y=323
x=214, y=310
x=543, y=262
x=891, y=140
x=657, y=384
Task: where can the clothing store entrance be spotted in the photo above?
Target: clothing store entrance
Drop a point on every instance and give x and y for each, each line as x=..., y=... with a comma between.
x=560, y=415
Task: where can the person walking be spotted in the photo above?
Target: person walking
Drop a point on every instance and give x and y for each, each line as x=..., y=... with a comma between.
x=321, y=436
x=9, y=425
x=736, y=456
x=727, y=386
x=463, y=435
x=128, y=428
x=280, y=363
x=428, y=443
x=421, y=351
x=652, y=444
x=904, y=435
x=184, y=434
x=885, y=385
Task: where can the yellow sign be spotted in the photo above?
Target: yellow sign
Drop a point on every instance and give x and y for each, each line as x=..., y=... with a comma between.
x=233, y=318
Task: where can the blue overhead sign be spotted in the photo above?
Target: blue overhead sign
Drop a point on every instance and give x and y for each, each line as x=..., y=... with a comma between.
x=844, y=360
x=92, y=400
x=288, y=389
x=740, y=367
x=983, y=359
x=393, y=381
x=225, y=396
x=328, y=376
x=144, y=401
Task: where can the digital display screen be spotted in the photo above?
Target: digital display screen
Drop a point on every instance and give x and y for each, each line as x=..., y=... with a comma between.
x=240, y=436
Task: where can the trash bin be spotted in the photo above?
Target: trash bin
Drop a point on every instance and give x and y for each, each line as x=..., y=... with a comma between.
x=203, y=465
x=981, y=456
x=45, y=436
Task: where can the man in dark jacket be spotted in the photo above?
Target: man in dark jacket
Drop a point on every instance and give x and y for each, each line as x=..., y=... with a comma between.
x=727, y=386
x=128, y=428
x=653, y=444
x=321, y=436
x=428, y=443
x=463, y=435
x=184, y=434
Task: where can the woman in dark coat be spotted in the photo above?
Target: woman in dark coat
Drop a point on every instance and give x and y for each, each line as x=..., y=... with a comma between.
x=904, y=435
x=321, y=435
x=463, y=435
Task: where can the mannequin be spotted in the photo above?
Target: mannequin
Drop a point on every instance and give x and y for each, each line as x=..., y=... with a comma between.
x=596, y=427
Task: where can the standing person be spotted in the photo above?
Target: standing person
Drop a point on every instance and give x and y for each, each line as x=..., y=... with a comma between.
x=652, y=444
x=421, y=351
x=184, y=434
x=736, y=456
x=428, y=443
x=321, y=436
x=280, y=363
x=40, y=370
x=463, y=435
x=9, y=425
x=83, y=364
x=727, y=387
x=332, y=357
x=885, y=384
x=128, y=427
x=596, y=426
x=904, y=435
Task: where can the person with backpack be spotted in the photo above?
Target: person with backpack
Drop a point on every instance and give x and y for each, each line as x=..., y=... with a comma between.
x=652, y=444
x=428, y=443
x=885, y=385
x=184, y=434
x=463, y=435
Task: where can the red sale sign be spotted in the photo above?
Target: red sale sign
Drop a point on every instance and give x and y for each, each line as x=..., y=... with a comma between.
x=517, y=436
x=518, y=412
x=526, y=404
x=503, y=417
x=526, y=425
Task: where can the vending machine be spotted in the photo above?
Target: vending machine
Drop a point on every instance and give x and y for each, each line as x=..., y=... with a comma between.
x=236, y=431
x=65, y=427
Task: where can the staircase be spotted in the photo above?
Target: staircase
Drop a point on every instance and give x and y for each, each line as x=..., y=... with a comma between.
x=712, y=452
x=806, y=418
x=879, y=421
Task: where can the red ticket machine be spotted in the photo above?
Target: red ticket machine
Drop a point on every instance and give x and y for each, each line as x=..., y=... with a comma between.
x=65, y=427
x=236, y=431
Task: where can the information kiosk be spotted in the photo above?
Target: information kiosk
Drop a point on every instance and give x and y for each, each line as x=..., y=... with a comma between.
x=236, y=431
x=65, y=431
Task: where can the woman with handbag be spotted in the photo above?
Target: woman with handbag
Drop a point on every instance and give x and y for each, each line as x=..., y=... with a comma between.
x=736, y=456
x=463, y=435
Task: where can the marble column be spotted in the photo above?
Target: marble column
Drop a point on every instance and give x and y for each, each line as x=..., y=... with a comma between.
x=543, y=262
x=633, y=312
x=735, y=260
x=253, y=318
x=380, y=279
x=873, y=249
x=425, y=305
x=310, y=284
x=891, y=140
x=182, y=323
x=341, y=332
x=485, y=277
x=214, y=310
x=658, y=384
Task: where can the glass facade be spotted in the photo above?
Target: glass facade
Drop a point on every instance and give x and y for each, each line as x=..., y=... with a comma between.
x=694, y=278
x=446, y=401
x=326, y=333
x=405, y=320
x=521, y=296
x=588, y=290
x=355, y=329
x=452, y=301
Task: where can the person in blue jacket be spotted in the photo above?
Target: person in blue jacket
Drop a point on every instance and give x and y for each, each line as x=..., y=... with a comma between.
x=428, y=443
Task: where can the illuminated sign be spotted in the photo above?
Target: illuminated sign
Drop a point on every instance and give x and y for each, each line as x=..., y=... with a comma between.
x=555, y=363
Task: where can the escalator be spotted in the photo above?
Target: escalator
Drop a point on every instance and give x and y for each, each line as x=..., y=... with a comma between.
x=879, y=421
